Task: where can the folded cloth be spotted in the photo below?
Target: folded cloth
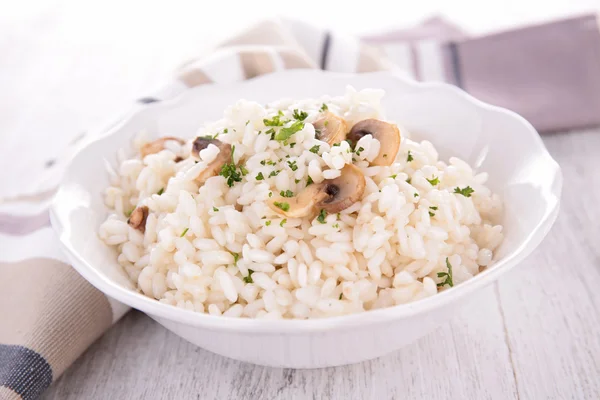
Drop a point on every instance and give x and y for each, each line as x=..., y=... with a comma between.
x=50, y=314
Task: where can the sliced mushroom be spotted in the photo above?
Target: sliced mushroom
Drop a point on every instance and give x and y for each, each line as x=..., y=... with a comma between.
x=137, y=219
x=331, y=195
x=331, y=128
x=158, y=145
x=212, y=169
x=387, y=134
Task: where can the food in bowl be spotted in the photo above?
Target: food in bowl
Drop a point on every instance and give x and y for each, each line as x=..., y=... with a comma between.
x=298, y=209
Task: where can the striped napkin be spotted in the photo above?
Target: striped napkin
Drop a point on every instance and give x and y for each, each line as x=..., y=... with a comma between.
x=49, y=314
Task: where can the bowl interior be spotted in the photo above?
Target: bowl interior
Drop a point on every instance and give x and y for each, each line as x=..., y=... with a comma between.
x=490, y=139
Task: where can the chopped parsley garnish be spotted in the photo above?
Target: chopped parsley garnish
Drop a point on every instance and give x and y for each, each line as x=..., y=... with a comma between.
x=283, y=221
x=292, y=165
x=296, y=180
x=359, y=150
x=263, y=162
x=283, y=205
x=315, y=149
x=128, y=213
x=225, y=130
x=336, y=144
x=275, y=121
x=393, y=176
x=260, y=177
x=267, y=223
x=408, y=180
x=287, y=193
x=270, y=194
x=339, y=216
x=409, y=158
x=247, y=122
x=336, y=225
x=325, y=123
x=431, y=214
x=465, y=192
x=243, y=170
x=300, y=115
x=248, y=279
x=416, y=195
x=446, y=275
x=309, y=181
x=274, y=173
x=161, y=191
x=271, y=132
x=434, y=208
x=324, y=107
x=236, y=257
x=215, y=209
x=287, y=132
x=321, y=217
x=339, y=298
x=292, y=145
x=229, y=171
x=184, y=232
x=433, y=181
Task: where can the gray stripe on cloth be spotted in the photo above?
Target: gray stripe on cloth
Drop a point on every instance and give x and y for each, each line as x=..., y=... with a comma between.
x=24, y=371
x=23, y=224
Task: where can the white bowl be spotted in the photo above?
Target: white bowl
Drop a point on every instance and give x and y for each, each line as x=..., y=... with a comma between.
x=489, y=138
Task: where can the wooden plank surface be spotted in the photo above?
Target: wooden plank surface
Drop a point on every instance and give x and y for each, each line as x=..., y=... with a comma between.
x=535, y=334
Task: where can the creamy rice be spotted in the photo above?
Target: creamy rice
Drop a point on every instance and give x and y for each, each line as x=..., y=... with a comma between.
x=422, y=225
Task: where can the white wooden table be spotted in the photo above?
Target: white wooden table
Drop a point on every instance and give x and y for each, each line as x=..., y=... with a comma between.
x=535, y=334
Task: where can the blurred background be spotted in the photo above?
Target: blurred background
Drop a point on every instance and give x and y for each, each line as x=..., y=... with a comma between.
x=68, y=66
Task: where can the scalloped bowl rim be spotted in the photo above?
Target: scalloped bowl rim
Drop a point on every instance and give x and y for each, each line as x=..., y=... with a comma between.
x=222, y=323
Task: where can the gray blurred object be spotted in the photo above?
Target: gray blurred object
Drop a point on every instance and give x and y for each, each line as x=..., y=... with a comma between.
x=549, y=73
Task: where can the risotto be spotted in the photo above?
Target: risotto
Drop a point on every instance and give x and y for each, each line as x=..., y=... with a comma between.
x=298, y=209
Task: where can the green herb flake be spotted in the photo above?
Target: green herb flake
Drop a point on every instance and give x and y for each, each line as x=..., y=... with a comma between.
x=325, y=123
x=393, y=176
x=315, y=149
x=275, y=121
x=270, y=194
x=230, y=172
x=309, y=181
x=248, y=279
x=321, y=217
x=267, y=223
x=243, y=170
x=336, y=144
x=359, y=150
x=336, y=225
x=215, y=209
x=225, y=130
x=287, y=193
x=282, y=205
x=324, y=107
x=263, y=162
x=236, y=257
x=446, y=275
x=292, y=165
x=408, y=180
x=338, y=216
x=416, y=195
x=431, y=214
x=434, y=208
x=161, y=191
x=287, y=132
x=465, y=192
x=260, y=177
x=271, y=132
x=247, y=122
x=339, y=298
x=283, y=221
x=274, y=173
x=409, y=158
x=128, y=213
x=184, y=232
x=292, y=145
x=433, y=181
x=296, y=180
x=300, y=115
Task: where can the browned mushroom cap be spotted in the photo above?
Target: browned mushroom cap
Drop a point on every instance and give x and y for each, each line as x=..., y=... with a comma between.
x=158, y=145
x=331, y=195
x=387, y=134
x=137, y=219
x=331, y=128
x=212, y=169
